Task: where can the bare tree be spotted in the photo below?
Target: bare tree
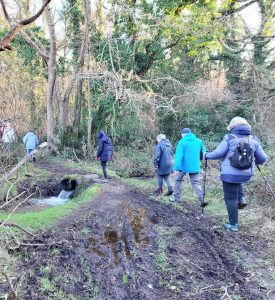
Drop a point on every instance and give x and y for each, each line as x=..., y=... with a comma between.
x=51, y=80
x=6, y=40
x=64, y=107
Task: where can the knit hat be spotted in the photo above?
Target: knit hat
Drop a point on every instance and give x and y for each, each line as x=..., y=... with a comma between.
x=185, y=130
x=161, y=137
x=236, y=121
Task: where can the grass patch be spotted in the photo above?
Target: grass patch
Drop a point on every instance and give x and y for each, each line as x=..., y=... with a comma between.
x=37, y=220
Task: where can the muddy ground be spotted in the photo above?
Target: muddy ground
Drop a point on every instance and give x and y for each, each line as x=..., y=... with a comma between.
x=127, y=245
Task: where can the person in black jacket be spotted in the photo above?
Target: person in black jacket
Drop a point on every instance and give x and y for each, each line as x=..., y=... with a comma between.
x=104, y=152
x=163, y=163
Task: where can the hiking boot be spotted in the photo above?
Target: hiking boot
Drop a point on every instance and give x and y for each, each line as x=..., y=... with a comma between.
x=169, y=192
x=242, y=203
x=158, y=191
x=203, y=202
x=231, y=227
x=105, y=180
x=173, y=199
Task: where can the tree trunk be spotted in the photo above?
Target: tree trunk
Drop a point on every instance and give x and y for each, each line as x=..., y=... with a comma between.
x=78, y=105
x=64, y=109
x=89, y=135
x=51, y=81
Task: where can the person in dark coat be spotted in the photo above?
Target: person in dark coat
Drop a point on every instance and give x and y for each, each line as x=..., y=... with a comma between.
x=104, y=152
x=234, y=178
x=163, y=163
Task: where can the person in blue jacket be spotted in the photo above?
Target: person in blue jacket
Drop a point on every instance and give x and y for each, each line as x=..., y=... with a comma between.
x=189, y=152
x=31, y=141
x=104, y=152
x=233, y=178
x=163, y=163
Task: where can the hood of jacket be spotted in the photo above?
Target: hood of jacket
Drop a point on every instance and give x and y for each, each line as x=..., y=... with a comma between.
x=104, y=138
x=165, y=143
x=241, y=129
x=30, y=133
x=189, y=137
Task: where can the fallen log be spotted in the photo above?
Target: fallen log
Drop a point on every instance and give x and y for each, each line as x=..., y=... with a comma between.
x=8, y=174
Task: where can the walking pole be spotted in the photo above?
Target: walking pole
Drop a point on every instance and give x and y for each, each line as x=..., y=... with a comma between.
x=265, y=181
x=204, y=187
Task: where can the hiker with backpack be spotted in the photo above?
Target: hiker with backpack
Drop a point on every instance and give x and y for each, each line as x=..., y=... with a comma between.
x=189, y=152
x=31, y=141
x=163, y=163
x=239, y=152
x=104, y=152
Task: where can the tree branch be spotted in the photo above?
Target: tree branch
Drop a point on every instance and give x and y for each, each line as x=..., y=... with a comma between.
x=232, y=11
x=7, y=39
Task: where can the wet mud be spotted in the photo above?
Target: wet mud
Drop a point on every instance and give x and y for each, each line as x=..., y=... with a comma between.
x=124, y=245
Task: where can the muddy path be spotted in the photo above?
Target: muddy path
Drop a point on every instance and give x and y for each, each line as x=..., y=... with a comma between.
x=124, y=245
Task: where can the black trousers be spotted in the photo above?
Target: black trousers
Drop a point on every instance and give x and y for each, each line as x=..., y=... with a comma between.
x=232, y=193
x=104, y=169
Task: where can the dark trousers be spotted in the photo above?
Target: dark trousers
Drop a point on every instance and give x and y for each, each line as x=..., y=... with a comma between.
x=104, y=169
x=232, y=193
x=166, y=178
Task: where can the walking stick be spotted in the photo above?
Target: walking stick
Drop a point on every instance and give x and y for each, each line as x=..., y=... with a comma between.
x=204, y=188
x=265, y=181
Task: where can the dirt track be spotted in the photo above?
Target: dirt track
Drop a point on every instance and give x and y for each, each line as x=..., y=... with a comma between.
x=124, y=245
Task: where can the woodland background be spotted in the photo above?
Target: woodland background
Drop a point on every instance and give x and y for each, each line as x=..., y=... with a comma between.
x=136, y=68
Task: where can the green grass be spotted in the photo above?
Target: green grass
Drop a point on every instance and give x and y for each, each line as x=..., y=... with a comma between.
x=37, y=220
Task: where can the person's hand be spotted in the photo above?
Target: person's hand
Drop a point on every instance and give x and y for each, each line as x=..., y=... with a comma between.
x=204, y=156
x=97, y=158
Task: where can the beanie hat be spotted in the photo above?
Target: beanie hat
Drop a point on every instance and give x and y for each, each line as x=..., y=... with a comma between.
x=236, y=121
x=186, y=130
x=161, y=137
x=100, y=134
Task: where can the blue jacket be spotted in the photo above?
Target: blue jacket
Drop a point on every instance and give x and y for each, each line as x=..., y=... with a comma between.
x=163, y=157
x=30, y=140
x=105, y=147
x=187, y=158
x=227, y=148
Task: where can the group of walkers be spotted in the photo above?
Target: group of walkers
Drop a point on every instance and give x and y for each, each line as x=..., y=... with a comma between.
x=7, y=136
x=239, y=152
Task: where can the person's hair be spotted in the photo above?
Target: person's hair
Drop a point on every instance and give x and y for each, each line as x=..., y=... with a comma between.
x=161, y=137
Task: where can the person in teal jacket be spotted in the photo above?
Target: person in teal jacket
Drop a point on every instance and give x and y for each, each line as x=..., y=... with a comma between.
x=189, y=152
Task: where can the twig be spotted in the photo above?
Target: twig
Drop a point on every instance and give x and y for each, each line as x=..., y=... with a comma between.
x=7, y=203
x=17, y=226
x=4, y=222
x=36, y=245
x=14, y=295
x=226, y=296
x=269, y=292
x=187, y=260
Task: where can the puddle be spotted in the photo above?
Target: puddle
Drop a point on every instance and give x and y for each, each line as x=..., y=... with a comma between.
x=130, y=232
x=137, y=223
x=111, y=237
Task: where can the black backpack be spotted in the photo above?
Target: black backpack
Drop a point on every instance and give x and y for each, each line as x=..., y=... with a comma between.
x=243, y=155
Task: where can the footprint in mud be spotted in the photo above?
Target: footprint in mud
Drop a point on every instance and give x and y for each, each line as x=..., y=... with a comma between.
x=126, y=233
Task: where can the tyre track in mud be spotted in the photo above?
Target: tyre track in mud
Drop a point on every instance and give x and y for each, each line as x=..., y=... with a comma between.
x=111, y=246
